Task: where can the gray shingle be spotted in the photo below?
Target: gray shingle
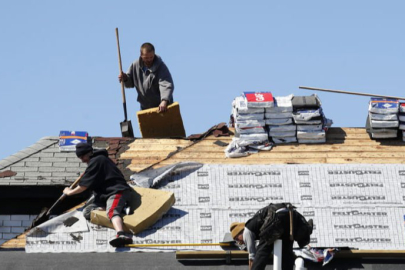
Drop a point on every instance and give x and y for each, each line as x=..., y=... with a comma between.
x=24, y=169
x=37, y=164
x=65, y=174
x=22, y=183
x=66, y=164
x=44, y=155
x=37, y=174
x=45, y=183
x=54, y=159
x=51, y=150
x=75, y=169
x=51, y=169
x=31, y=159
x=65, y=154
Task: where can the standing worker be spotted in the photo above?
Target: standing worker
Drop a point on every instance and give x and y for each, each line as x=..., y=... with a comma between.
x=151, y=78
x=267, y=225
x=111, y=191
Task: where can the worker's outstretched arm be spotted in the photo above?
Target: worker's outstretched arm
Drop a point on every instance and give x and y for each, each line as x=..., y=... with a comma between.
x=69, y=191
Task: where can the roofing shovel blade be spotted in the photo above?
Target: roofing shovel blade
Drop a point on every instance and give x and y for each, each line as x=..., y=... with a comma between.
x=45, y=212
x=126, y=126
x=126, y=129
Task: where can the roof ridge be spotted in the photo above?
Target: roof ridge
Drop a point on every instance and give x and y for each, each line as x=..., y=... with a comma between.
x=41, y=144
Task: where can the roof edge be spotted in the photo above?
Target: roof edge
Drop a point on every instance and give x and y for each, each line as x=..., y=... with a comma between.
x=37, y=147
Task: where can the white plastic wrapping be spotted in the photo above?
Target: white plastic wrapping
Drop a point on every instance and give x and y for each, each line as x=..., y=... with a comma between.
x=384, y=124
x=384, y=117
x=282, y=134
x=240, y=104
x=384, y=135
x=282, y=128
x=305, y=115
x=281, y=105
x=250, y=123
x=308, y=122
x=310, y=135
x=278, y=115
x=279, y=121
x=249, y=130
x=282, y=140
x=309, y=127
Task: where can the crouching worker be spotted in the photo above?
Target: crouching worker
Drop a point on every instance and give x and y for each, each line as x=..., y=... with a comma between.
x=267, y=225
x=110, y=190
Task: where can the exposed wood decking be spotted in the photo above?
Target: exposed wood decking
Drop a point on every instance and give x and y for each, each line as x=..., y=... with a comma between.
x=343, y=146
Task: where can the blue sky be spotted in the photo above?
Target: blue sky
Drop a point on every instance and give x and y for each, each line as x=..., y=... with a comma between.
x=59, y=64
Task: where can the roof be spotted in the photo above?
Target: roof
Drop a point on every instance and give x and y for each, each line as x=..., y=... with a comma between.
x=43, y=164
x=343, y=146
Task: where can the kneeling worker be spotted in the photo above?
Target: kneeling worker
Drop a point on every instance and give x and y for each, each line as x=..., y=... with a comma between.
x=267, y=225
x=110, y=190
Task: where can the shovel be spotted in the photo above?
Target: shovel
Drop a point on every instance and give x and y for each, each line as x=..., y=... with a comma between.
x=126, y=126
x=44, y=215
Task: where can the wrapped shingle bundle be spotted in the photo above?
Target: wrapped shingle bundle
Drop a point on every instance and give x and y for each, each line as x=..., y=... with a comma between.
x=382, y=121
x=310, y=119
x=401, y=116
x=248, y=120
x=380, y=133
x=259, y=99
x=279, y=121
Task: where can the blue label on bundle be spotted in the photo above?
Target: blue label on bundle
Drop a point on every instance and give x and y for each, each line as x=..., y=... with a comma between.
x=384, y=103
x=69, y=139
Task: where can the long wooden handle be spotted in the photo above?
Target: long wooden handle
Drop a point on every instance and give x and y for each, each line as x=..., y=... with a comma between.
x=347, y=92
x=179, y=245
x=64, y=195
x=291, y=214
x=122, y=81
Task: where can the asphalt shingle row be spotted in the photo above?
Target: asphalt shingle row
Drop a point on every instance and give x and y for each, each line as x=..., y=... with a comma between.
x=42, y=164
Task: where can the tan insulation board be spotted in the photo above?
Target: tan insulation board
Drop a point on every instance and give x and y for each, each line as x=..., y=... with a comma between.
x=153, y=205
x=153, y=124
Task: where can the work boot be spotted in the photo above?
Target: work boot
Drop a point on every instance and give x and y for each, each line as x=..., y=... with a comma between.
x=121, y=241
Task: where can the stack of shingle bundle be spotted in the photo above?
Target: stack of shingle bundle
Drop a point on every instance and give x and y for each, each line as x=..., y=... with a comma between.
x=401, y=117
x=248, y=117
x=279, y=121
x=310, y=119
x=383, y=118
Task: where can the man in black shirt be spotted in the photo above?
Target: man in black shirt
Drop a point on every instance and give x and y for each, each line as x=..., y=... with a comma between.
x=275, y=221
x=111, y=191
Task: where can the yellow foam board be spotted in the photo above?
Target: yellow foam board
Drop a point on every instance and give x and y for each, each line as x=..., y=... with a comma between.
x=169, y=124
x=153, y=204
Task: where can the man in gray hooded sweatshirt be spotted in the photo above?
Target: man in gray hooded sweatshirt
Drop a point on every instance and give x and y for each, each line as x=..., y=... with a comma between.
x=151, y=78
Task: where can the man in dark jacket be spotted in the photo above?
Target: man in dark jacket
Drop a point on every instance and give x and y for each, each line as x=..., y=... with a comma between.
x=111, y=191
x=267, y=225
x=151, y=78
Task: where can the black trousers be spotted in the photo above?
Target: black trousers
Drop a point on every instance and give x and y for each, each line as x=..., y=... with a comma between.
x=264, y=250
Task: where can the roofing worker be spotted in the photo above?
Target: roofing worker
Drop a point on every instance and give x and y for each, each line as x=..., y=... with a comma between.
x=111, y=191
x=151, y=78
x=267, y=225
